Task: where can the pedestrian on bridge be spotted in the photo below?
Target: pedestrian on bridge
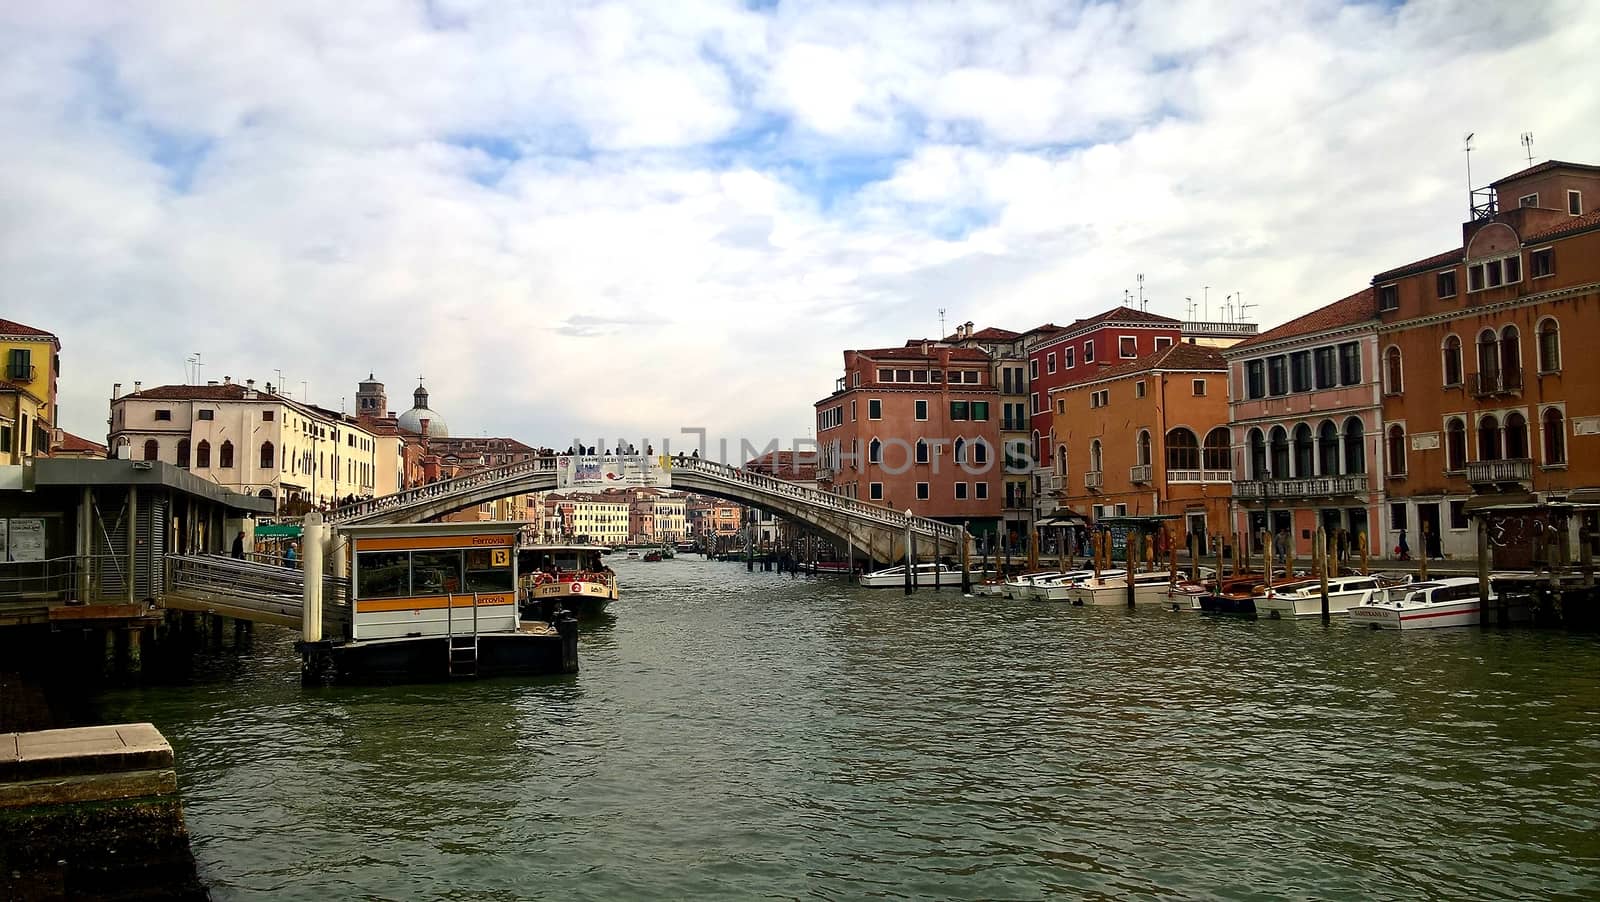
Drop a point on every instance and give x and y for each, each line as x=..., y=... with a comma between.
x=289, y=556
x=238, y=546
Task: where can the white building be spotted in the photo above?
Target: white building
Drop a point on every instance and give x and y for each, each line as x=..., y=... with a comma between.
x=255, y=442
x=604, y=520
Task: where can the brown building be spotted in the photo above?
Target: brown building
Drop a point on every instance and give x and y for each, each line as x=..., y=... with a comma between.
x=1149, y=436
x=1488, y=398
x=915, y=428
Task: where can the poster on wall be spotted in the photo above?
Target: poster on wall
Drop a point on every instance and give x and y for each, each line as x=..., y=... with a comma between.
x=25, y=539
x=595, y=471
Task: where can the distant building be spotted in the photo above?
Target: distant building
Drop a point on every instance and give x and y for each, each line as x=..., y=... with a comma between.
x=28, y=415
x=77, y=447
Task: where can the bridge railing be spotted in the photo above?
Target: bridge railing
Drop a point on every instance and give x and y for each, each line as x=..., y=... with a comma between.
x=251, y=586
x=853, y=507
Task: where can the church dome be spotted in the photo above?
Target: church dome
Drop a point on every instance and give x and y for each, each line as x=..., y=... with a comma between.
x=411, y=421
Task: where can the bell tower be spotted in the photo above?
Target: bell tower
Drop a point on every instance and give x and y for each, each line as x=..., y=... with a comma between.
x=371, y=399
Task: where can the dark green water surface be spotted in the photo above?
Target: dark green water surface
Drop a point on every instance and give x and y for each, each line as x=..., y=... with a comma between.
x=754, y=736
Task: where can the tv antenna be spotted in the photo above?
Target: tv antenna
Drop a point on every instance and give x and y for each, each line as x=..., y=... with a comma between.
x=1243, y=306
x=1142, y=305
x=941, y=324
x=1467, y=141
x=1227, y=308
x=1205, y=302
x=1527, y=144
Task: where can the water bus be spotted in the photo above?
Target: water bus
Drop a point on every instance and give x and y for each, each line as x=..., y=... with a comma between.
x=565, y=576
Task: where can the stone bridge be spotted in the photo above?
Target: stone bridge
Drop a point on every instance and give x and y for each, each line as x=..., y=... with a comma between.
x=874, y=531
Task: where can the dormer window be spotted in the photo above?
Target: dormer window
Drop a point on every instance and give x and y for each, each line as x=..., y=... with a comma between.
x=1528, y=200
x=1389, y=297
x=1575, y=203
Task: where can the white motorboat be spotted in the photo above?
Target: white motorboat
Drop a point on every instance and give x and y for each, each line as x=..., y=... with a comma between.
x=1304, y=599
x=1056, y=587
x=927, y=576
x=1111, y=588
x=1185, y=594
x=1021, y=585
x=1428, y=605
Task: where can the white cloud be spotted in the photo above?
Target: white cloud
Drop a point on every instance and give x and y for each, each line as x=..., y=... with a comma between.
x=608, y=217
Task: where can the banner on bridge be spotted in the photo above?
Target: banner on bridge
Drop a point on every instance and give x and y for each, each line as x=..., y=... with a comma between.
x=595, y=471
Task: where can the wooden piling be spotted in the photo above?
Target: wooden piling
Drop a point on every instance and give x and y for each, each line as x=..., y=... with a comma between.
x=1246, y=550
x=1172, y=558
x=1322, y=571
x=1266, y=548
x=966, y=563
x=1221, y=572
x=1365, y=568
x=1586, y=551
x=1422, y=570
x=1132, y=555
x=1483, y=571
x=1194, y=557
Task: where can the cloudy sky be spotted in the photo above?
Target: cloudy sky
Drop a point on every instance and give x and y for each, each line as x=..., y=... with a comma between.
x=595, y=219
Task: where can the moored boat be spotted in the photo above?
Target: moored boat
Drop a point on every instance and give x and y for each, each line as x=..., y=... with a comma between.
x=567, y=576
x=1235, y=595
x=1020, y=585
x=931, y=576
x=1111, y=588
x=1433, y=604
x=1304, y=598
x=1056, y=588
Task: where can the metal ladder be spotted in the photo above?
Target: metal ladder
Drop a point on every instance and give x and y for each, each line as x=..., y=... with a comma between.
x=462, y=649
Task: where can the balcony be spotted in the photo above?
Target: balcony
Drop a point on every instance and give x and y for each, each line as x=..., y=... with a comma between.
x=1496, y=382
x=1055, y=483
x=1015, y=425
x=1140, y=475
x=1312, y=487
x=1193, y=476
x=1093, y=479
x=21, y=372
x=1493, y=472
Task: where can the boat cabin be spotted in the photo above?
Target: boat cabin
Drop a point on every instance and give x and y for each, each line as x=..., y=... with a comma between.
x=423, y=580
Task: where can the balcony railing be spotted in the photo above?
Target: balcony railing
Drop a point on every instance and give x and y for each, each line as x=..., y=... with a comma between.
x=1015, y=425
x=1496, y=382
x=21, y=372
x=1055, y=483
x=1488, y=472
x=1139, y=474
x=1310, y=487
x=1093, y=479
x=1199, y=476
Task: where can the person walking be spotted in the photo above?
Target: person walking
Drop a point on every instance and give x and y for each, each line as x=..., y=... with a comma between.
x=238, y=546
x=1404, y=547
x=290, y=557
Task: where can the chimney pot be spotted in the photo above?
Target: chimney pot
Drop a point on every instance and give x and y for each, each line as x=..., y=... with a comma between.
x=250, y=383
x=227, y=380
x=136, y=386
x=116, y=390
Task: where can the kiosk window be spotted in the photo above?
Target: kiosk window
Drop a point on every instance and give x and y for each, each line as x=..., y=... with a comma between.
x=435, y=572
x=489, y=570
x=383, y=574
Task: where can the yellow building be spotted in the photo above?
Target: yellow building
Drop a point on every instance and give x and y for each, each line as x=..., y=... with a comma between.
x=32, y=360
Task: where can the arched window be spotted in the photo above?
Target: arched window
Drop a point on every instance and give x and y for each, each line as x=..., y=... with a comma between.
x=265, y=493
x=1141, y=448
x=1183, y=450
x=1094, y=456
x=225, y=458
x=980, y=451
x=961, y=450
x=1393, y=384
x=1280, y=453
x=1219, y=449
x=269, y=456
x=1041, y=455
x=183, y=452
x=1258, y=454
x=1452, y=360
x=1516, y=437
x=202, y=454
x=152, y=450
x=1555, y=437
x=1511, y=355
x=1489, y=438
x=1397, y=450
x=1355, y=446
x=922, y=451
x=874, y=452
x=1455, y=444
x=1488, y=355
x=1328, y=448
x=1061, y=459
x=1549, y=346
x=1304, y=465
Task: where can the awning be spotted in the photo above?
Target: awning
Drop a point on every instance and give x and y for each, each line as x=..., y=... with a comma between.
x=1588, y=496
x=278, y=529
x=1063, y=518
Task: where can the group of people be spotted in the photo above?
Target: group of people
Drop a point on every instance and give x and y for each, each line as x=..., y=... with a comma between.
x=291, y=552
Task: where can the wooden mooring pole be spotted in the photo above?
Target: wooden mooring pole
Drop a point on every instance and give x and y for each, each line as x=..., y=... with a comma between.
x=1322, y=571
x=1483, y=570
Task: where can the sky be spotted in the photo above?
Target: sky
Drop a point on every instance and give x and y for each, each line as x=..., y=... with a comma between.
x=597, y=220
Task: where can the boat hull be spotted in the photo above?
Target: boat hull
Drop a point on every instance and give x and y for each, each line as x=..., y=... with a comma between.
x=947, y=579
x=1290, y=607
x=588, y=598
x=1417, y=617
x=1117, y=594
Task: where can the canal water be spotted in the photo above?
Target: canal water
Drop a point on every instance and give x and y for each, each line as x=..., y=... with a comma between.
x=743, y=735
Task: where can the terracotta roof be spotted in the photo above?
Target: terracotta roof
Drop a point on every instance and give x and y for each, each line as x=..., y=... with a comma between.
x=1572, y=226
x=1357, y=308
x=1181, y=356
x=1434, y=262
x=800, y=465
x=230, y=392
x=991, y=333
x=1124, y=315
x=15, y=329
x=915, y=353
x=78, y=445
x=1546, y=166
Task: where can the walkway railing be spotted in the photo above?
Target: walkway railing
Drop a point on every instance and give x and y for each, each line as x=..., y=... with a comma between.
x=717, y=472
x=246, y=588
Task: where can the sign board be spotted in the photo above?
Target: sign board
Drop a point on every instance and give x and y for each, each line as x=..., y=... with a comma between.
x=595, y=471
x=291, y=530
x=1425, y=441
x=500, y=557
x=25, y=539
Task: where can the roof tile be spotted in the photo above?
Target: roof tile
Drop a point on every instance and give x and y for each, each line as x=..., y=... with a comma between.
x=15, y=330
x=1350, y=311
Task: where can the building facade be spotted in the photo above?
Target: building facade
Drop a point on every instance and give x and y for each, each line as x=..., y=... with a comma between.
x=1488, y=398
x=1147, y=437
x=915, y=428
x=1307, y=420
x=28, y=415
x=255, y=442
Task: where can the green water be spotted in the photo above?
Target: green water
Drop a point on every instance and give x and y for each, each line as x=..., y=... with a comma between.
x=753, y=736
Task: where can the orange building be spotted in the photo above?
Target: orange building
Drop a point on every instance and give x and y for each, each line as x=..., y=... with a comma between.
x=1488, y=398
x=1147, y=437
x=918, y=428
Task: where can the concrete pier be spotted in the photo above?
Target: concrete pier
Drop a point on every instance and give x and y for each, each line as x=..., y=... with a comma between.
x=92, y=813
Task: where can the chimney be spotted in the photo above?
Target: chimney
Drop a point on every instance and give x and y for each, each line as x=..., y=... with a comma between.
x=227, y=380
x=211, y=382
x=250, y=383
x=136, y=386
x=116, y=390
